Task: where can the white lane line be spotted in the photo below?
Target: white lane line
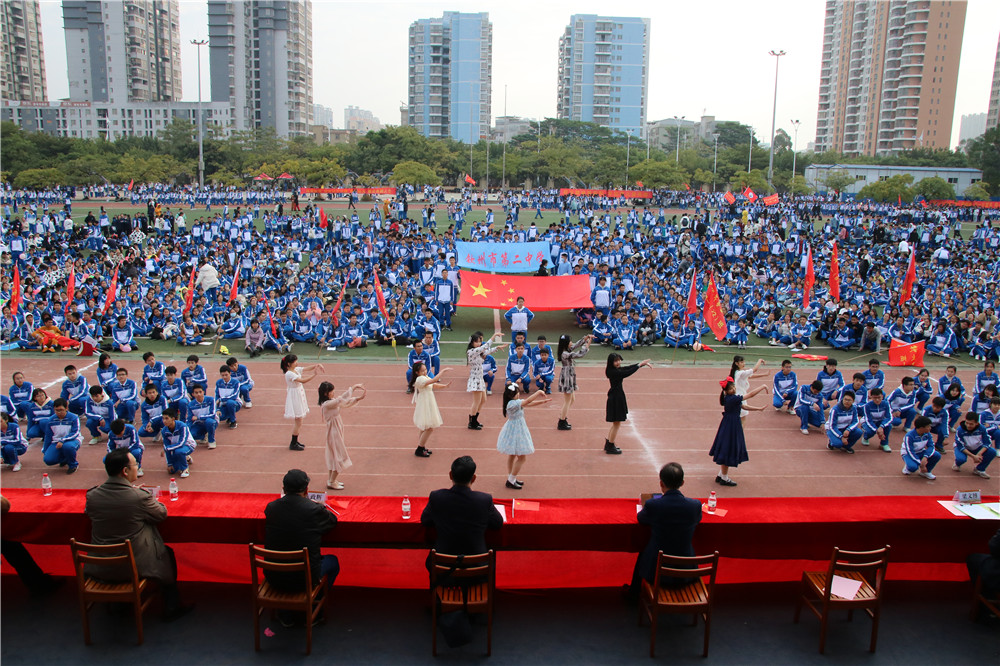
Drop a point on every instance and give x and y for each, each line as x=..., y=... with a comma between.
x=647, y=448
x=60, y=380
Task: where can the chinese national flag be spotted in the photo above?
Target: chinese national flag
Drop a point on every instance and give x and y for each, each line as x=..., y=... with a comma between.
x=750, y=194
x=810, y=279
x=338, y=304
x=380, y=297
x=912, y=354
x=112, y=291
x=322, y=219
x=692, y=302
x=469, y=180
x=730, y=199
x=234, y=290
x=834, y=274
x=15, y=292
x=911, y=277
x=771, y=199
x=482, y=290
x=70, y=289
x=714, y=316
x=189, y=297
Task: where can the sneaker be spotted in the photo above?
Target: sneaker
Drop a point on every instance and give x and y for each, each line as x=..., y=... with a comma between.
x=185, y=474
x=772, y=342
x=804, y=431
x=928, y=475
x=848, y=449
x=17, y=467
x=864, y=442
x=95, y=440
x=72, y=470
x=158, y=438
x=248, y=404
x=981, y=473
x=140, y=472
x=211, y=445
x=955, y=468
x=232, y=425
x=906, y=471
x=489, y=392
x=885, y=447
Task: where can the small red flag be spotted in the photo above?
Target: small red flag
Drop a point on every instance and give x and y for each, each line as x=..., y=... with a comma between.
x=810, y=279
x=687, y=187
x=910, y=279
x=714, y=316
x=380, y=297
x=899, y=199
x=692, y=302
x=70, y=289
x=771, y=199
x=130, y=184
x=730, y=199
x=340, y=301
x=274, y=329
x=112, y=291
x=639, y=183
x=811, y=357
x=901, y=353
x=189, y=297
x=834, y=274
x=750, y=194
x=234, y=290
x=924, y=203
x=322, y=219
x=15, y=293
x=469, y=179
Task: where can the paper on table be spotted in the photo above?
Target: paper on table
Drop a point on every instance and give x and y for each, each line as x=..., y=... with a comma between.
x=981, y=511
x=503, y=511
x=845, y=588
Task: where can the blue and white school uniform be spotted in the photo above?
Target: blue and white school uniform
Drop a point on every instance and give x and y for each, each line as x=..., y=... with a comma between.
x=13, y=444
x=904, y=403
x=832, y=383
x=917, y=447
x=843, y=422
x=519, y=370
x=973, y=442
x=152, y=416
x=37, y=418
x=227, y=397
x=126, y=398
x=178, y=444
x=545, y=373
x=67, y=431
x=197, y=377
x=203, y=422
x=877, y=416
x=128, y=439
x=940, y=424
x=786, y=388
x=97, y=412
x=76, y=393
x=242, y=374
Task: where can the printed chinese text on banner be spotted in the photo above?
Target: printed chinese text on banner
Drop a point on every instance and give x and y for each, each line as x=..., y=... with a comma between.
x=730, y=199
x=712, y=310
x=502, y=257
x=482, y=290
x=901, y=353
x=771, y=199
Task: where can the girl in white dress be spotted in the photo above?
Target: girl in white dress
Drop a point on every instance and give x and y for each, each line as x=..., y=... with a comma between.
x=741, y=378
x=337, y=458
x=515, y=439
x=476, y=352
x=296, y=406
x=426, y=415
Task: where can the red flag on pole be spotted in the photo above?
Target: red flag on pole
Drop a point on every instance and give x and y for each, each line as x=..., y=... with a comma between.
x=340, y=301
x=714, y=316
x=810, y=279
x=639, y=183
x=322, y=219
x=112, y=291
x=70, y=289
x=274, y=329
x=380, y=297
x=901, y=353
x=910, y=279
x=189, y=297
x=750, y=194
x=130, y=184
x=687, y=187
x=899, y=199
x=730, y=199
x=234, y=290
x=834, y=274
x=771, y=199
x=469, y=180
x=692, y=302
x=15, y=294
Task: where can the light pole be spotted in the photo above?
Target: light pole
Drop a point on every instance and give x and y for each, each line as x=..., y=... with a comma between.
x=774, y=111
x=715, y=166
x=677, y=156
x=647, y=140
x=750, y=158
x=201, y=120
x=795, y=140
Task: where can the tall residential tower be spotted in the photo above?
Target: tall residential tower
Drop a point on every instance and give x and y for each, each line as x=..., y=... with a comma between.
x=993, y=114
x=604, y=72
x=451, y=76
x=22, y=61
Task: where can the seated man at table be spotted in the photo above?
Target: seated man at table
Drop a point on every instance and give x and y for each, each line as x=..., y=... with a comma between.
x=460, y=514
x=673, y=519
x=294, y=522
x=118, y=510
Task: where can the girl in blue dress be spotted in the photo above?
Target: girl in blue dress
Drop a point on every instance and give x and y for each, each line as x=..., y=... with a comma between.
x=730, y=447
x=515, y=440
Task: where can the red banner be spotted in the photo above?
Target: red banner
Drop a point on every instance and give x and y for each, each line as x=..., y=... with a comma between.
x=965, y=204
x=730, y=199
x=482, y=290
x=771, y=199
x=348, y=190
x=901, y=353
x=834, y=274
x=910, y=279
x=628, y=194
x=712, y=310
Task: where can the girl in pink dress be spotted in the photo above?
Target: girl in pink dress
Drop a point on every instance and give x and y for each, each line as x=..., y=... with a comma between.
x=337, y=458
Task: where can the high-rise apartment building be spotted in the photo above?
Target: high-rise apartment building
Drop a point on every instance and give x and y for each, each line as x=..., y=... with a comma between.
x=126, y=51
x=361, y=121
x=451, y=76
x=888, y=75
x=260, y=55
x=993, y=114
x=604, y=72
x=22, y=60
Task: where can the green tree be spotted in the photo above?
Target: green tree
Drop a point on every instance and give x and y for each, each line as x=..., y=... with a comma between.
x=782, y=141
x=701, y=177
x=984, y=154
x=934, y=187
x=755, y=180
x=660, y=174
x=414, y=173
x=798, y=185
x=838, y=180
x=39, y=178
x=732, y=134
x=896, y=188
x=977, y=192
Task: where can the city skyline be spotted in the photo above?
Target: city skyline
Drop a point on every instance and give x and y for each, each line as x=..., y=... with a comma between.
x=718, y=65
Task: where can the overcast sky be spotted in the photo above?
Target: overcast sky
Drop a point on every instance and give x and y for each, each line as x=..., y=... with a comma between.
x=707, y=57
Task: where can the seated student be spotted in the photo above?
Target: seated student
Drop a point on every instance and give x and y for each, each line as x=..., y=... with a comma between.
x=919, y=454
x=903, y=404
x=12, y=442
x=984, y=346
x=954, y=398
x=433, y=348
x=950, y=377
x=124, y=436
x=122, y=335
x=100, y=413
x=842, y=336
x=871, y=339
x=417, y=354
x=535, y=351
x=25, y=333
x=20, y=392
x=153, y=371
x=194, y=375
x=857, y=387
x=942, y=341
x=303, y=329
x=106, y=369
x=75, y=390
x=922, y=385
x=981, y=401
x=940, y=421
x=990, y=419
x=674, y=334
x=151, y=410
x=543, y=371
x=624, y=334
x=842, y=427
x=519, y=368
x=809, y=405
x=241, y=373
x=254, y=338
x=786, y=388
x=874, y=377
x=227, y=395
x=125, y=395
x=178, y=443
x=234, y=327
x=799, y=335
x=603, y=333
x=174, y=391
x=972, y=441
x=51, y=338
x=352, y=333
x=202, y=420
x=62, y=438
x=831, y=378
x=877, y=419
x=189, y=333
x=988, y=377
x=489, y=372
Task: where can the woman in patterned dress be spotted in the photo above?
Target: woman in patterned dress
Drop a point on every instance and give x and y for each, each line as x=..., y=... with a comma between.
x=567, y=353
x=476, y=352
x=515, y=439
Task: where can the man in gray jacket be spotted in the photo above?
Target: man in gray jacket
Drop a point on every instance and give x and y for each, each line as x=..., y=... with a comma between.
x=118, y=510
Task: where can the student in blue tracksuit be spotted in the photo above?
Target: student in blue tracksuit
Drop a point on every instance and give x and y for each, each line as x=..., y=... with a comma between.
x=433, y=349
x=903, y=404
x=106, y=370
x=202, y=420
x=519, y=369
x=983, y=379
x=227, y=395
x=12, y=442
x=603, y=331
x=842, y=427
x=62, y=437
x=417, y=354
x=178, y=443
x=153, y=371
x=489, y=372
x=809, y=404
x=786, y=388
x=954, y=398
x=100, y=413
x=122, y=334
x=972, y=441
x=519, y=318
x=950, y=377
x=857, y=387
x=874, y=377
x=877, y=419
x=922, y=384
x=20, y=391
x=124, y=436
x=937, y=412
x=444, y=297
x=194, y=375
x=241, y=373
x=919, y=454
x=151, y=411
x=831, y=378
x=125, y=395
x=75, y=390
x=543, y=371
x=990, y=419
x=175, y=392
x=38, y=411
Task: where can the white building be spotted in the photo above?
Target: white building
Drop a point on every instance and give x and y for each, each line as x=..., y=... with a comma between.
x=973, y=126
x=507, y=127
x=361, y=121
x=959, y=178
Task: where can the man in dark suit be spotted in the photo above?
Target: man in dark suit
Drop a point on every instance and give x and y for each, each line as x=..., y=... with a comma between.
x=294, y=522
x=460, y=514
x=987, y=567
x=673, y=519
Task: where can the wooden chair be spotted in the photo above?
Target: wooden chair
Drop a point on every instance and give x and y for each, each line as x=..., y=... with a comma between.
x=979, y=597
x=91, y=590
x=463, y=582
x=694, y=597
x=869, y=567
x=311, y=601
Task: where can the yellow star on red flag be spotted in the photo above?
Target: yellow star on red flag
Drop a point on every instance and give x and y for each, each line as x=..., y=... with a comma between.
x=480, y=290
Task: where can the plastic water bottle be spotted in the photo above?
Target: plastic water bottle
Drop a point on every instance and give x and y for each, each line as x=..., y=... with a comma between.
x=46, y=484
x=712, y=501
x=174, y=492
x=406, y=507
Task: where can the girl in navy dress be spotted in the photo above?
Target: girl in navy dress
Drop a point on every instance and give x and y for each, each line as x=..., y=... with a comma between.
x=730, y=447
